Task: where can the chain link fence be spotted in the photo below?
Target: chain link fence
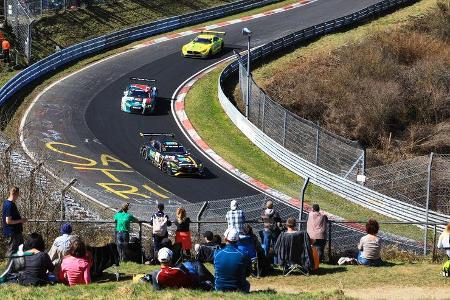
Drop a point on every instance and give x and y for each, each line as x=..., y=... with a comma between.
x=303, y=137
x=19, y=18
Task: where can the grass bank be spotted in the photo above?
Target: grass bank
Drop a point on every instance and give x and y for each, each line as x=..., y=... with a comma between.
x=422, y=280
x=216, y=129
x=393, y=96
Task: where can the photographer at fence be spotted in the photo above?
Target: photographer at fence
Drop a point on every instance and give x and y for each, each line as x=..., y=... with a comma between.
x=12, y=222
x=317, y=229
x=369, y=245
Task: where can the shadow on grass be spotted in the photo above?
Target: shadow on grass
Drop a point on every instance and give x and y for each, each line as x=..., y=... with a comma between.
x=111, y=277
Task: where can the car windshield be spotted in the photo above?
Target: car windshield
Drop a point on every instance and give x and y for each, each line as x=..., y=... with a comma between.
x=202, y=40
x=172, y=148
x=138, y=94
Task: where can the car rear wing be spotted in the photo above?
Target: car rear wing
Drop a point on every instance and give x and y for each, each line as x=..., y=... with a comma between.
x=142, y=134
x=214, y=32
x=142, y=79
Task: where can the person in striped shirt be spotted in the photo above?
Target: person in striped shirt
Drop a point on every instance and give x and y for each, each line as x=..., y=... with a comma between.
x=235, y=217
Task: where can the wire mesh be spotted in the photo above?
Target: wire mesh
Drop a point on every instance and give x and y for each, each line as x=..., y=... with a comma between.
x=18, y=17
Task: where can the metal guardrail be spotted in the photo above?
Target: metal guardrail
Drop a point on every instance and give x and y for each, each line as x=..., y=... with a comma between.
x=345, y=188
x=96, y=45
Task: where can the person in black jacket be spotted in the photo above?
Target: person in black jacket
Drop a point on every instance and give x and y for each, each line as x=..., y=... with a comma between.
x=36, y=265
x=271, y=230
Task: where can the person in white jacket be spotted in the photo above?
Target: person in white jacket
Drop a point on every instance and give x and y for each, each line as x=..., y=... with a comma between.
x=444, y=240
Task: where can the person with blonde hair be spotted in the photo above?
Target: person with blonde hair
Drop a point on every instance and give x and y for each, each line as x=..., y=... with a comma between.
x=183, y=233
x=444, y=240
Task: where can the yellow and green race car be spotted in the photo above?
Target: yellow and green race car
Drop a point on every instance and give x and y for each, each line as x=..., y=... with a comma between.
x=206, y=44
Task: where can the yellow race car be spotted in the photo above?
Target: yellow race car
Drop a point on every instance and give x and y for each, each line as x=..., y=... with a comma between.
x=206, y=44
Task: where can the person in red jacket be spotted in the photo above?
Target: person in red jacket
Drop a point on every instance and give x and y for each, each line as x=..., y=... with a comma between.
x=5, y=50
x=172, y=277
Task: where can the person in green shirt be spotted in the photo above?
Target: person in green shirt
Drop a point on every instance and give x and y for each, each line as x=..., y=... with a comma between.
x=123, y=220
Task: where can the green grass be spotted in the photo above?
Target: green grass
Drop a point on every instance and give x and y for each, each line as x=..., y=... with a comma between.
x=214, y=126
x=331, y=282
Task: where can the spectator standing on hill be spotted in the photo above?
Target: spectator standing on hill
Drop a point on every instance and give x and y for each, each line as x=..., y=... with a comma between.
x=36, y=265
x=271, y=230
x=5, y=50
x=235, y=217
x=444, y=240
x=317, y=229
x=291, y=225
x=369, y=245
x=12, y=222
x=231, y=265
x=75, y=267
x=123, y=219
x=159, y=222
x=183, y=234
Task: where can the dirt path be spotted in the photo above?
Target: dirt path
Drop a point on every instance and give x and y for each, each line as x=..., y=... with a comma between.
x=400, y=293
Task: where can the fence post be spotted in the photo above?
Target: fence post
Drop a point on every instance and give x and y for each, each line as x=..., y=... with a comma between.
x=330, y=225
x=284, y=127
x=433, y=259
x=199, y=215
x=302, y=199
x=316, y=161
x=263, y=112
x=140, y=239
x=63, y=198
x=425, y=235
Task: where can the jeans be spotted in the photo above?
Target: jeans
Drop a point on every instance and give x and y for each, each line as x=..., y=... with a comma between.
x=368, y=262
x=156, y=239
x=14, y=241
x=267, y=240
x=123, y=238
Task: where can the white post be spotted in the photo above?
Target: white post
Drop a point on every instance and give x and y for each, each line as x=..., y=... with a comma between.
x=425, y=235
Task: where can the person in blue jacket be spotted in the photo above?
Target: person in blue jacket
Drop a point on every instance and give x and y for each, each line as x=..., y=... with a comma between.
x=231, y=265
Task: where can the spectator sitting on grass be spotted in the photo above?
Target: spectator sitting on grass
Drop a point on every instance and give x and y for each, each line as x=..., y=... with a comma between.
x=61, y=244
x=217, y=240
x=36, y=265
x=205, y=251
x=444, y=240
x=369, y=245
x=231, y=265
x=75, y=268
x=171, y=277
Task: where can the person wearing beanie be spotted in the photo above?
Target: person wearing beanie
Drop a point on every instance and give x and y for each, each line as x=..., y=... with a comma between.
x=272, y=223
x=235, y=217
x=316, y=227
x=123, y=220
x=172, y=277
x=61, y=244
x=231, y=265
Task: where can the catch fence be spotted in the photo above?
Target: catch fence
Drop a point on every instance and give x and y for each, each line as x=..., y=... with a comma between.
x=19, y=18
x=308, y=140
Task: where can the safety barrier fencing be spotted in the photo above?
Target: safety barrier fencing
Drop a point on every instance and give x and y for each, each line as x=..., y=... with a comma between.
x=96, y=45
x=343, y=187
x=339, y=241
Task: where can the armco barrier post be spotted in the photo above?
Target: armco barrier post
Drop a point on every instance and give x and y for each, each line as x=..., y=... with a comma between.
x=425, y=237
x=330, y=225
x=284, y=127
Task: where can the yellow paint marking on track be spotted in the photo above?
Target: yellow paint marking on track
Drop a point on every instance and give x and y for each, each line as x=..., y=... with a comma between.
x=154, y=191
x=107, y=172
x=131, y=190
x=106, y=159
x=89, y=162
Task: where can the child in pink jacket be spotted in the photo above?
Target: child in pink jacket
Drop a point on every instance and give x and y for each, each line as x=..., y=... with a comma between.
x=75, y=268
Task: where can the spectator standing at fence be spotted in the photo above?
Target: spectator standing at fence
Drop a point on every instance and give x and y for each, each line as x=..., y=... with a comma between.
x=316, y=227
x=369, y=246
x=183, y=234
x=75, y=268
x=12, y=222
x=235, y=217
x=123, y=219
x=271, y=230
x=444, y=240
x=159, y=222
x=231, y=265
x=36, y=265
x=5, y=50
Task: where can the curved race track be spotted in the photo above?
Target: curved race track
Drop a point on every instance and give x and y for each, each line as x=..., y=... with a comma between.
x=79, y=117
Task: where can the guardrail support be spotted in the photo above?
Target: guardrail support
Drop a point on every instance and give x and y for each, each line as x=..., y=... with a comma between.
x=330, y=225
x=200, y=213
x=63, y=198
x=302, y=199
x=425, y=235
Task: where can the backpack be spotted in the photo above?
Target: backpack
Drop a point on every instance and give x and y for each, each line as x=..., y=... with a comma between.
x=445, y=268
x=160, y=225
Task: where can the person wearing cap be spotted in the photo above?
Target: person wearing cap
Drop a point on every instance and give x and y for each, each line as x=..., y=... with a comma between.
x=5, y=50
x=271, y=230
x=235, y=217
x=231, y=265
x=123, y=219
x=160, y=221
x=316, y=227
x=171, y=277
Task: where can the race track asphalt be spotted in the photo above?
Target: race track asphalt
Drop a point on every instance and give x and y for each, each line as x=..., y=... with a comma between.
x=83, y=112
